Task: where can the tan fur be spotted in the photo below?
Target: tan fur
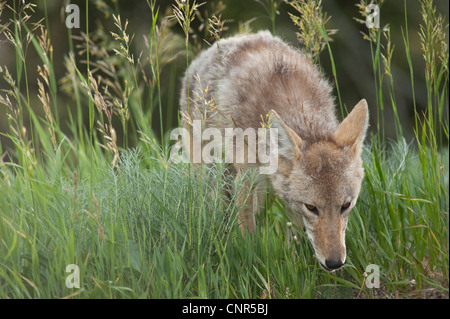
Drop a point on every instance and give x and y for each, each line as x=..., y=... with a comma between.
x=319, y=164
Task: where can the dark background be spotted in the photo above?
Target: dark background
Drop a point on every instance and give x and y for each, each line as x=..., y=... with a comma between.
x=351, y=53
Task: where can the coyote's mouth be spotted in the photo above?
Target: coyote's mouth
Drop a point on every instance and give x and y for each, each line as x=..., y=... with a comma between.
x=326, y=268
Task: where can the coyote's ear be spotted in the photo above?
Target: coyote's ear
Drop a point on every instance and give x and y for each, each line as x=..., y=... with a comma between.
x=289, y=142
x=352, y=130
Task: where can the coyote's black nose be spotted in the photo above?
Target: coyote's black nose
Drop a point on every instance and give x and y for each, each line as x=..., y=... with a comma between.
x=333, y=264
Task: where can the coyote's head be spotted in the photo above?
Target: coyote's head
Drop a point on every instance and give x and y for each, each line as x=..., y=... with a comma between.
x=320, y=182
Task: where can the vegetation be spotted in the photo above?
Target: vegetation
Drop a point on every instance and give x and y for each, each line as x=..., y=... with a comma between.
x=89, y=181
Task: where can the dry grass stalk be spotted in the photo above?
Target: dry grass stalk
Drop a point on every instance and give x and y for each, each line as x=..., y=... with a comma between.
x=309, y=23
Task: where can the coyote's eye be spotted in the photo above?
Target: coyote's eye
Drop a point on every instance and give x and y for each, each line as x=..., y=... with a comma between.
x=345, y=206
x=311, y=208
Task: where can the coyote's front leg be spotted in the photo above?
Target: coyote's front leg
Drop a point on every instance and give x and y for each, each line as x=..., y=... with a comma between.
x=250, y=199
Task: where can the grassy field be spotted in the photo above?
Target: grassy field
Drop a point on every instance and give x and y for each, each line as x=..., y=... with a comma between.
x=89, y=183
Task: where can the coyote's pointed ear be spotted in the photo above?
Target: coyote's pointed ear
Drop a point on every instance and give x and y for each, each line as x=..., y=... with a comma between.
x=352, y=130
x=289, y=142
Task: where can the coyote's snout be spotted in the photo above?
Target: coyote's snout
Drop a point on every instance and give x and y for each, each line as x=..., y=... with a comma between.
x=319, y=171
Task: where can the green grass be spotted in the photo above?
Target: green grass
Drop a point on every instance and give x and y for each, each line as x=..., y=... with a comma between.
x=104, y=195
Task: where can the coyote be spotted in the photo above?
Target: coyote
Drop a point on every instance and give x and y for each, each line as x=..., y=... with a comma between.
x=242, y=79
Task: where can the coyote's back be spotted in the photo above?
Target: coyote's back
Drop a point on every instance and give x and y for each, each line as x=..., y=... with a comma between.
x=249, y=75
x=240, y=81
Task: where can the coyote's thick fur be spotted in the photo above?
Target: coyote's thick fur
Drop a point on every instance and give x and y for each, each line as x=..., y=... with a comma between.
x=319, y=171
